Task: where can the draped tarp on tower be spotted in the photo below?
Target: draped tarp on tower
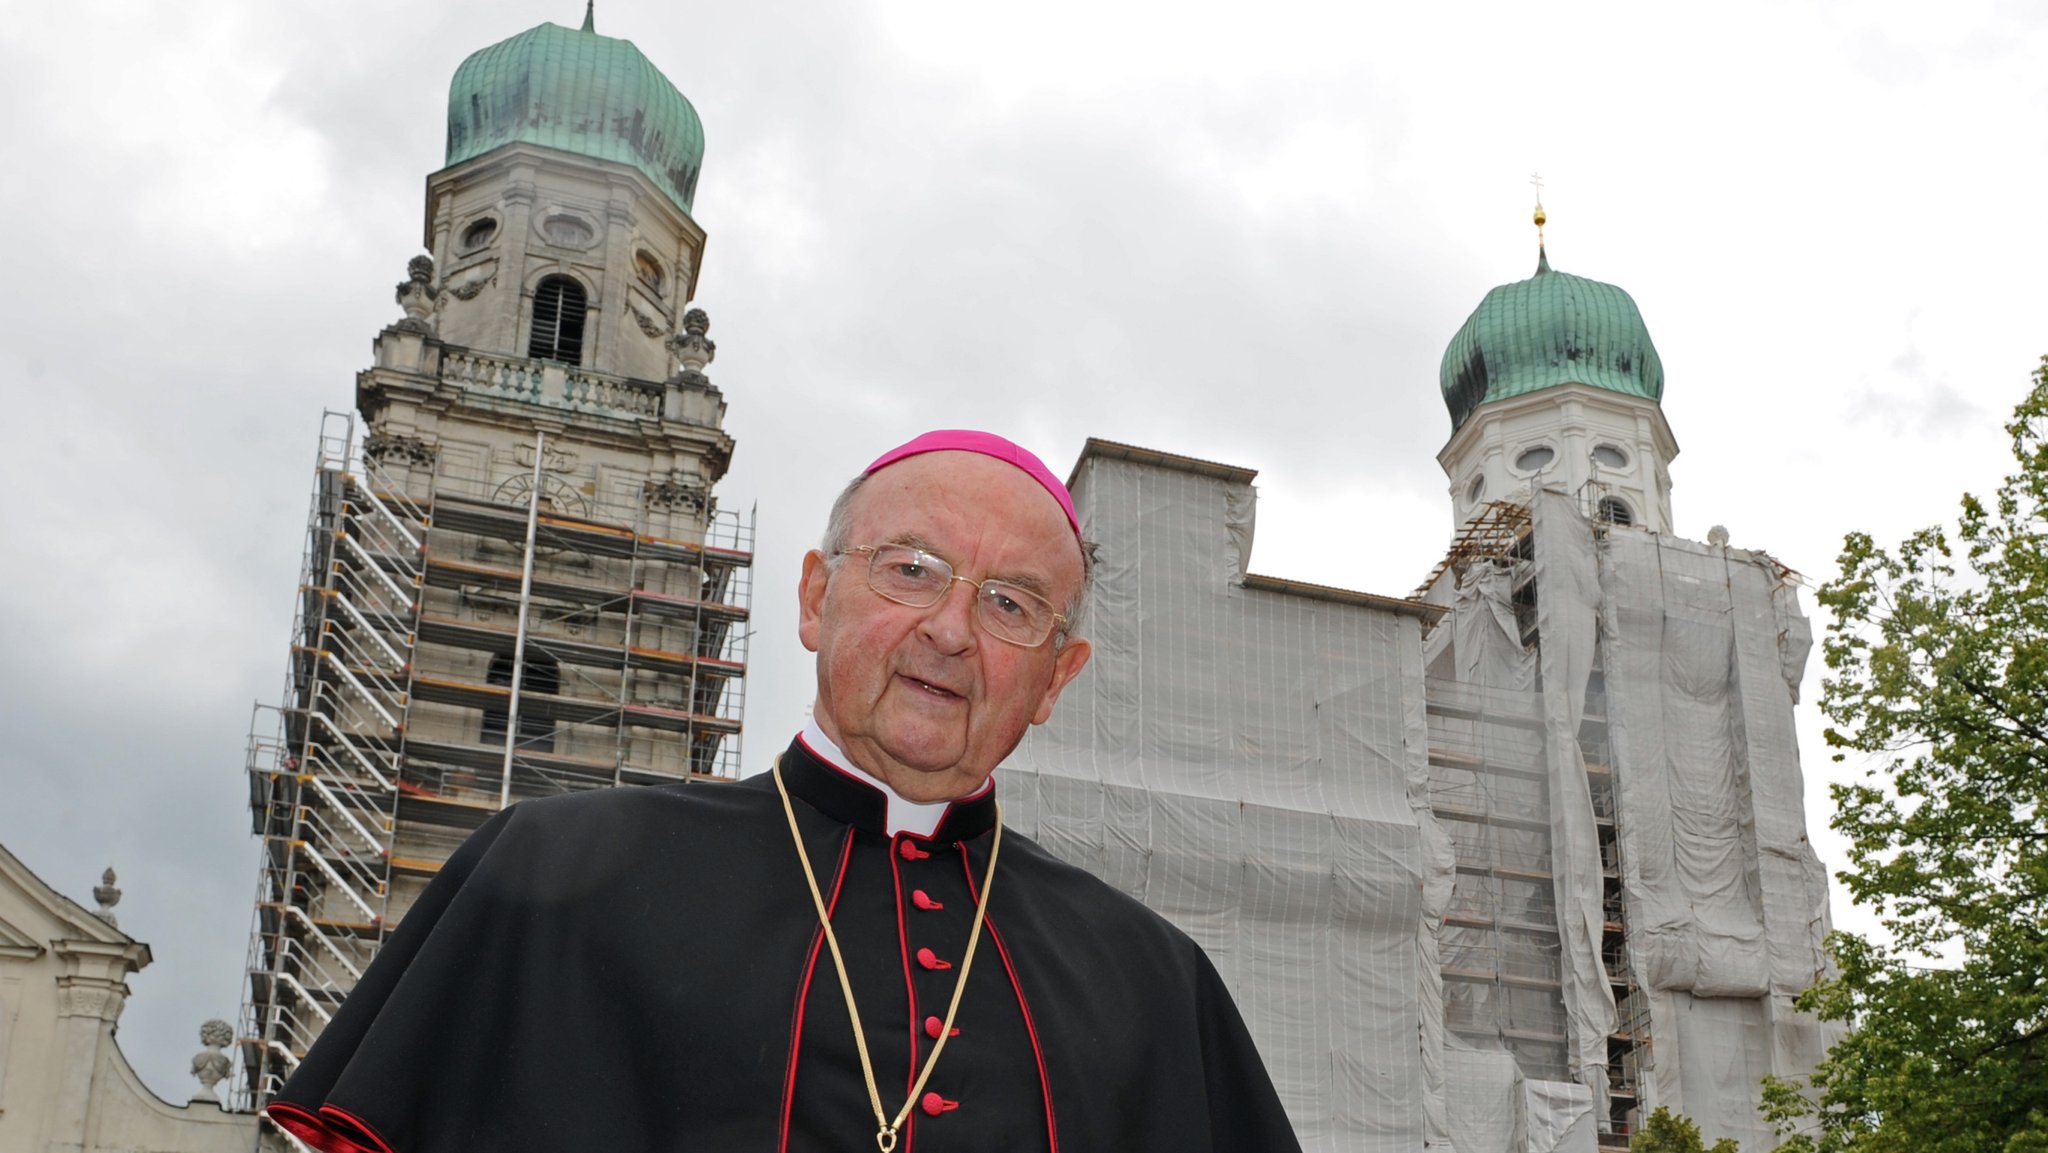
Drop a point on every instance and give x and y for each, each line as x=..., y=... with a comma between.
x=1500, y=868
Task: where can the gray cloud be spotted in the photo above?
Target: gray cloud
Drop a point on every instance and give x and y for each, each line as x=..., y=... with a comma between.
x=1244, y=240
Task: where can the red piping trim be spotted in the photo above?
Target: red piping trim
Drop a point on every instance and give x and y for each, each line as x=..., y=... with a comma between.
x=306, y=1125
x=909, y=987
x=354, y=1129
x=803, y=992
x=1052, y=1133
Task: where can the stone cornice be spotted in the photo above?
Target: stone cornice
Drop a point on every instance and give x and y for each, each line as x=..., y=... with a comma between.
x=16, y=945
x=1096, y=447
x=1550, y=398
x=132, y=951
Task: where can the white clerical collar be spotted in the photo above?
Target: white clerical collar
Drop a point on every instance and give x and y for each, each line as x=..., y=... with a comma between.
x=920, y=818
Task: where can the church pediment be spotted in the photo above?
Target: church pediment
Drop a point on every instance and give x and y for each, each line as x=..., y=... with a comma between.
x=17, y=945
x=32, y=914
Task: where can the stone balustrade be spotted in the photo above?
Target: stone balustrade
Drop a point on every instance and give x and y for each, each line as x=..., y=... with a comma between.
x=590, y=390
x=551, y=385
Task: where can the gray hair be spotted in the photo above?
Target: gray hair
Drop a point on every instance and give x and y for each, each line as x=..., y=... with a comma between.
x=839, y=531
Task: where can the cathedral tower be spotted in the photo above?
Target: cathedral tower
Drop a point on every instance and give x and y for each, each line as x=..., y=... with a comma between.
x=1553, y=382
x=517, y=579
x=1635, y=906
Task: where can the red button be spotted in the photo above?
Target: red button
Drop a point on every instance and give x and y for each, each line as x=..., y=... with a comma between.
x=935, y=1104
x=923, y=900
x=932, y=1025
x=911, y=852
x=930, y=960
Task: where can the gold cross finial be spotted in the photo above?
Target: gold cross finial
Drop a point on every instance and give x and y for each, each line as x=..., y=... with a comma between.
x=1537, y=180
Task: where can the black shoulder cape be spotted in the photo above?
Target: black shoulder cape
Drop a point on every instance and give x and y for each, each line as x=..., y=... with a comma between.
x=642, y=969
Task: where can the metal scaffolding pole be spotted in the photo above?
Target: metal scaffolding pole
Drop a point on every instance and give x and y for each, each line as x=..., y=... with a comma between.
x=540, y=450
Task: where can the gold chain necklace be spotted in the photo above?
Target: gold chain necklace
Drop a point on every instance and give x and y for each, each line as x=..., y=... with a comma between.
x=886, y=1130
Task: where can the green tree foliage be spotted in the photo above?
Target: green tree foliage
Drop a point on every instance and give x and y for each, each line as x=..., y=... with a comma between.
x=1666, y=1132
x=1938, y=661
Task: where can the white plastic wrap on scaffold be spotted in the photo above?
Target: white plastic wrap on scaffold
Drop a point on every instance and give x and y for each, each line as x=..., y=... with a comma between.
x=1252, y=764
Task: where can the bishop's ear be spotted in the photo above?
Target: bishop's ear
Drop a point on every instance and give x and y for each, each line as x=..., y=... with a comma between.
x=810, y=598
x=1066, y=665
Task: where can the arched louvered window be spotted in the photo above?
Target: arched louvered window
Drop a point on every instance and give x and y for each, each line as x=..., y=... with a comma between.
x=1614, y=510
x=559, y=305
x=543, y=674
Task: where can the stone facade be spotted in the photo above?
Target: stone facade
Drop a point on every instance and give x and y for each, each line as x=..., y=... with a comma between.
x=65, y=1086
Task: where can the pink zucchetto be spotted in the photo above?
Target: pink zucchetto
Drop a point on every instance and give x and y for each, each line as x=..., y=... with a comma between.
x=987, y=444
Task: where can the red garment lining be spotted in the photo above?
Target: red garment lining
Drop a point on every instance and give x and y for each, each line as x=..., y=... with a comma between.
x=331, y=1130
x=354, y=1129
x=306, y=1127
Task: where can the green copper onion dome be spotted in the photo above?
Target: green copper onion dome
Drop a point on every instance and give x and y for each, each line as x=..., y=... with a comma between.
x=580, y=92
x=1551, y=329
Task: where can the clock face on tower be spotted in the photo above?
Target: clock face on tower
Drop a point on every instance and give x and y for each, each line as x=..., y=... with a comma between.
x=556, y=497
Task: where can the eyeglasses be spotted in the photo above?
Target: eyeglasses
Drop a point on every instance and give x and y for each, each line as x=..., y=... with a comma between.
x=914, y=577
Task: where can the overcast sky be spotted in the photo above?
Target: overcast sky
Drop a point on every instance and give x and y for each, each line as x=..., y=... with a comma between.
x=1238, y=232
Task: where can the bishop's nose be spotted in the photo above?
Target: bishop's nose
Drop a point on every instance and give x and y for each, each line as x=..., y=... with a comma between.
x=949, y=625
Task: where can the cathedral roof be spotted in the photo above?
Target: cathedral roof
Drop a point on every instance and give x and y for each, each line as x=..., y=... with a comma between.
x=1553, y=328
x=580, y=92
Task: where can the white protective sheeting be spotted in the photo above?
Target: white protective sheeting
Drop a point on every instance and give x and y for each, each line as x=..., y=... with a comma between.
x=1402, y=879
x=1487, y=1087
x=1500, y=1110
x=1488, y=639
x=1727, y=903
x=1567, y=619
x=1251, y=763
x=1558, y=1117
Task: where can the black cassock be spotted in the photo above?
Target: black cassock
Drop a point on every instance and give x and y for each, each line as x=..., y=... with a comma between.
x=642, y=969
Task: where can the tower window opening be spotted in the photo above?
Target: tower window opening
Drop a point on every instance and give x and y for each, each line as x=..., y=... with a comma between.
x=479, y=234
x=648, y=269
x=1535, y=459
x=559, y=306
x=1614, y=510
x=567, y=232
x=1609, y=456
x=541, y=675
x=1475, y=490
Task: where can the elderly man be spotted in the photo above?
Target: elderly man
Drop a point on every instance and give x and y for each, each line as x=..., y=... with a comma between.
x=845, y=953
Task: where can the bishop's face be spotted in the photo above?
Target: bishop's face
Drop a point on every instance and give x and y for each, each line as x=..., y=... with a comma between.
x=921, y=697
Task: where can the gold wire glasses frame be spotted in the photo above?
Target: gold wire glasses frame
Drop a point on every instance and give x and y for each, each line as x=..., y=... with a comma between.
x=913, y=577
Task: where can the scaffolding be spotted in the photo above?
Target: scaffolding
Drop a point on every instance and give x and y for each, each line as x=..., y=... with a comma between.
x=402, y=726
x=1502, y=959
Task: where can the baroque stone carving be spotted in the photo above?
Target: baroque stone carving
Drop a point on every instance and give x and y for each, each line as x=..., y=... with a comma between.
x=418, y=296
x=557, y=461
x=91, y=1001
x=691, y=348
x=108, y=896
x=680, y=491
x=648, y=324
x=466, y=284
x=211, y=1065
x=408, y=450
